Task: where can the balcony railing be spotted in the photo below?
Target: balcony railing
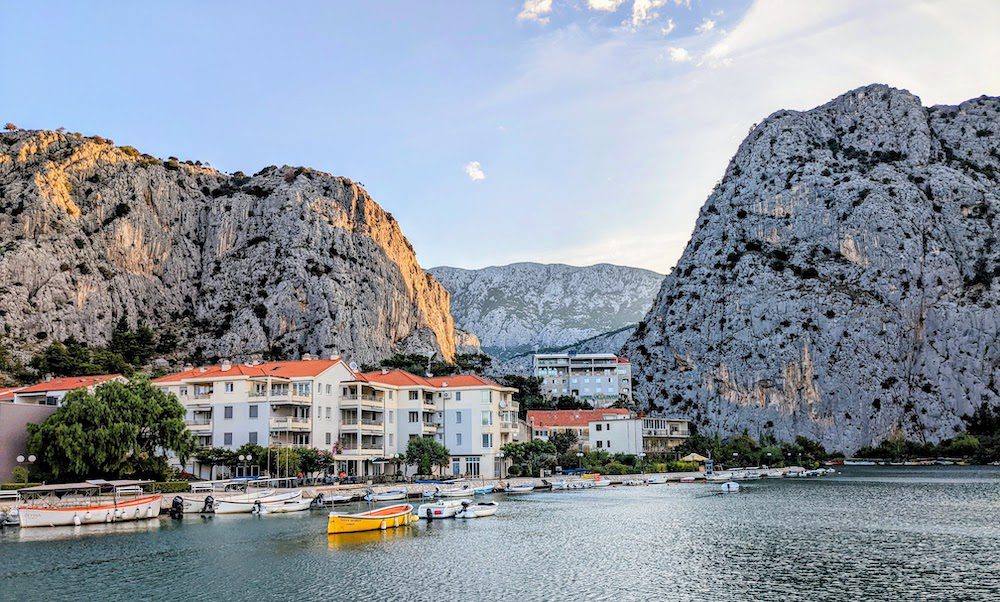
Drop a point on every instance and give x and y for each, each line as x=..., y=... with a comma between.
x=291, y=423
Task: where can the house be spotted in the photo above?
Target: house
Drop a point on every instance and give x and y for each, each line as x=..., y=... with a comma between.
x=543, y=423
x=651, y=436
x=598, y=378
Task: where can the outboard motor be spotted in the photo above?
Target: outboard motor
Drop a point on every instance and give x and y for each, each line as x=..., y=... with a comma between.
x=177, y=507
x=209, y=505
x=258, y=508
x=318, y=502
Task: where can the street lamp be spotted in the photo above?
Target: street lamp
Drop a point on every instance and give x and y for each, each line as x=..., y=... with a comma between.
x=501, y=455
x=31, y=460
x=734, y=458
x=768, y=459
x=642, y=462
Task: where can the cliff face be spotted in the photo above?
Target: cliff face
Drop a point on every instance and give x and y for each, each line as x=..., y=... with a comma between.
x=286, y=262
x=516, y=307
x=841, y=279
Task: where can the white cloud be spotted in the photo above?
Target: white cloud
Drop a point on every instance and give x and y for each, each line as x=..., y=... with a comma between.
x=679, y=55
x=706, y=26
x=535, y=10
x=475, y=171
x=644, y=11
x=668, y=28
x=608, y=6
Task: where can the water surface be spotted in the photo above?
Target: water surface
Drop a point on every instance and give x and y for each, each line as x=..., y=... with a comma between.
x=899, y=533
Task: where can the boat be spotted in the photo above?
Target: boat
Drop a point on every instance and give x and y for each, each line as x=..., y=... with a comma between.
x=462, y=491
x=387, y=517
x=244, y=506
x=488, y=489
x=517, y=489
x=687, y=480
x=441, y=509
x=386, y=496
x=8, y=508
x=634, y=482
x=560, y=485
x=730, y=487
x=323, y=500
x=601, y=482
x=298, y=504
x=773, y=474
x=181, y=505
x=718, y=477
x=859, y=463
x=477, y=509
x=657, y=480
x=86, y=503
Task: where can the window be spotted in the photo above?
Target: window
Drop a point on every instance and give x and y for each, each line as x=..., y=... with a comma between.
x=227, y=438
x=487, y=440
x=253, y=410
x=392, y=416
x=329, y=389
x=456, y=467
x=458, y=438
x=329, y=438
x=259, y=389
x=458, y=417
x=302, y=389
x=487, y=418
x=598, y=427
x=184, y=391
x=227, y=413
x=458, y=396
x=413, y=436
x=472, y=466
x=600, y=444
x=608, y=428
x=608, y=445
x=229, y=387
x=390, y=395
x=414, y=395
x=414, y=417
x=253, y=437
x=390, y=439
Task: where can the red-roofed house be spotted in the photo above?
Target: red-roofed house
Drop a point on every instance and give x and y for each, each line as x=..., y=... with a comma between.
x=51, y=392
x=544, y=423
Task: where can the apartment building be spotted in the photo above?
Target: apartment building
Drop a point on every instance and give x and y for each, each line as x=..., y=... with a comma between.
x=543, y=423
x=272, y=404
x=654, y=437
x=598, y=378
x=21, y=406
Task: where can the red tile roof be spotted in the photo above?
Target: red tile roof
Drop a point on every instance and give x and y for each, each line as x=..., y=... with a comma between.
x=7, y=393
x=623, y=360
x=395, y=378
x=288, y=369
x=570, y=418
x=69, y=383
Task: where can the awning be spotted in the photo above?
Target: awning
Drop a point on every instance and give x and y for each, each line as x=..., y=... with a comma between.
x=693, y=457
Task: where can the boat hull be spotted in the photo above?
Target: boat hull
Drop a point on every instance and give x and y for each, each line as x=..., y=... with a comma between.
x=295, y=505
x=380, y=519
x=245, y=507
x=478, y=510
x=140, y=508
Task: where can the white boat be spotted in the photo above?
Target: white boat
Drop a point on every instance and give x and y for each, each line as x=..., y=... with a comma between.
x=773, y=474
x=687, y=479
x=477, y=509
x=463, y=491
x=516, y=489
x=859, y=463
x=657, y=480
x=386, y=496
x=719, y=477
x=730, y=487
x=634, y=482
x=560, y=485
x=8, y=508
x=325, y=500
x=441, y=509
x=601, y=482
x=283, y=506
x=87, y=503
x=206, y=505
x=248, y=506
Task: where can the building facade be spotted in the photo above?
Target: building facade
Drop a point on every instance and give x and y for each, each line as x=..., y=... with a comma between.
x=600, y=379
x=654, y=437
x=544, y=423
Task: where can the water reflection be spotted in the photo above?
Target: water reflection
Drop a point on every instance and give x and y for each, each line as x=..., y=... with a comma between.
x=341, y=541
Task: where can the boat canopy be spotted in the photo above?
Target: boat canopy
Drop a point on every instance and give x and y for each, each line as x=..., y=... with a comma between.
x=693, y=457
x=94, y=484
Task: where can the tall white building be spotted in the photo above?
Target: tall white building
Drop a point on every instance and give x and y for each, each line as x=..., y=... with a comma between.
x=598, y=378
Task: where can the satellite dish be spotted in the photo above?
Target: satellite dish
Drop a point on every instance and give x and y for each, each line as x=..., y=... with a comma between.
x=353, y=366
x=503, y=404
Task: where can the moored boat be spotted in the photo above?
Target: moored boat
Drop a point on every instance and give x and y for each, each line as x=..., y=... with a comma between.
x=486, y=490
x=325, y=500
x=298, y=504
x=462, y=491
x=248, y=506
x=518, y=489
x=388, y=517
x=657, y=480
x=477, y=509
x=87, y=503
x=386, y=496
x=441, y=509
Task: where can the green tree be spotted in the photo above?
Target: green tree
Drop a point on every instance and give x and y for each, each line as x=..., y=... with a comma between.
x=425, y=453
x=534, y=455
x=119, y=430
x=136, y=346
x=564, y=441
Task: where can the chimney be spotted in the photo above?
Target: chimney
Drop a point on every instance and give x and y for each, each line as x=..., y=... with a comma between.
x=227, y=365
x=203, y=369
x=307, y=356
x=334, y=356
x=385, y=370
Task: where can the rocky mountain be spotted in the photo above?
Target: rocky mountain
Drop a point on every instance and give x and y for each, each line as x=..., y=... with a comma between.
x=514, y=308
x=285, y=262
x=841, y=280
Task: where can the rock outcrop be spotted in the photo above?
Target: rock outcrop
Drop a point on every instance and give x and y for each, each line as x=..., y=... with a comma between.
x=515, y=308
x=841, y=280
x=286, y=262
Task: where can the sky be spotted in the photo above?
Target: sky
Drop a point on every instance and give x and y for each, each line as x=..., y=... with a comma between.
x=495, y=131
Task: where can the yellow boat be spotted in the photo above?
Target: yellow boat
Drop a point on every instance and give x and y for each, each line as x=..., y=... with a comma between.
x=380, y=518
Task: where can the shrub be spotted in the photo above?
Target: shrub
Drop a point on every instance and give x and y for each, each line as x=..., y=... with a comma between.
x=616, y=468
x=19, y=474
x=172, y=487
x=515, y=470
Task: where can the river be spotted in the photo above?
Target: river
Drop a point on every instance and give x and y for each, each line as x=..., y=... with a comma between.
x=885, y=533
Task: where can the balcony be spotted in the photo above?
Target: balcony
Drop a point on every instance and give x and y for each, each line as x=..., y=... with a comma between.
x=429, y=428
x=364, y=401
x=199, y=425
x=674, y=433
x=365, y=425
x=506, y=425
x=291, y=423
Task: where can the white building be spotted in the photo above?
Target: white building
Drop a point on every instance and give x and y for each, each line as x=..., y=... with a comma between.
x=652, y=436
x=598, y=378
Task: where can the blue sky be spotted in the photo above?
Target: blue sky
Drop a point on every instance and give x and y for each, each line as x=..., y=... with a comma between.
x=597, y=127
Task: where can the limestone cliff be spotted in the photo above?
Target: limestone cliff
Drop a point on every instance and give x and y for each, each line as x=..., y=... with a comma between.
x=841, y=278
x=288, y=261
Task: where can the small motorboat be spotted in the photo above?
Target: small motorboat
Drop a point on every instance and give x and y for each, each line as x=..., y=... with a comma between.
x=8, y=508
x=518, y=489
x=634, y=482
x=773, y=474
x=730, y=487
x=462, y=491
x=488, y=489
x=657, y=480
x=687, y=480
x=601, y=482
x=245, y=507
x=718, y=477
x=477, y=509
x=386, y=496
x=441, y=509
x=323, y=500
x=181, y=505
x=388, y=517
x=281, y=507
x=559, y=485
